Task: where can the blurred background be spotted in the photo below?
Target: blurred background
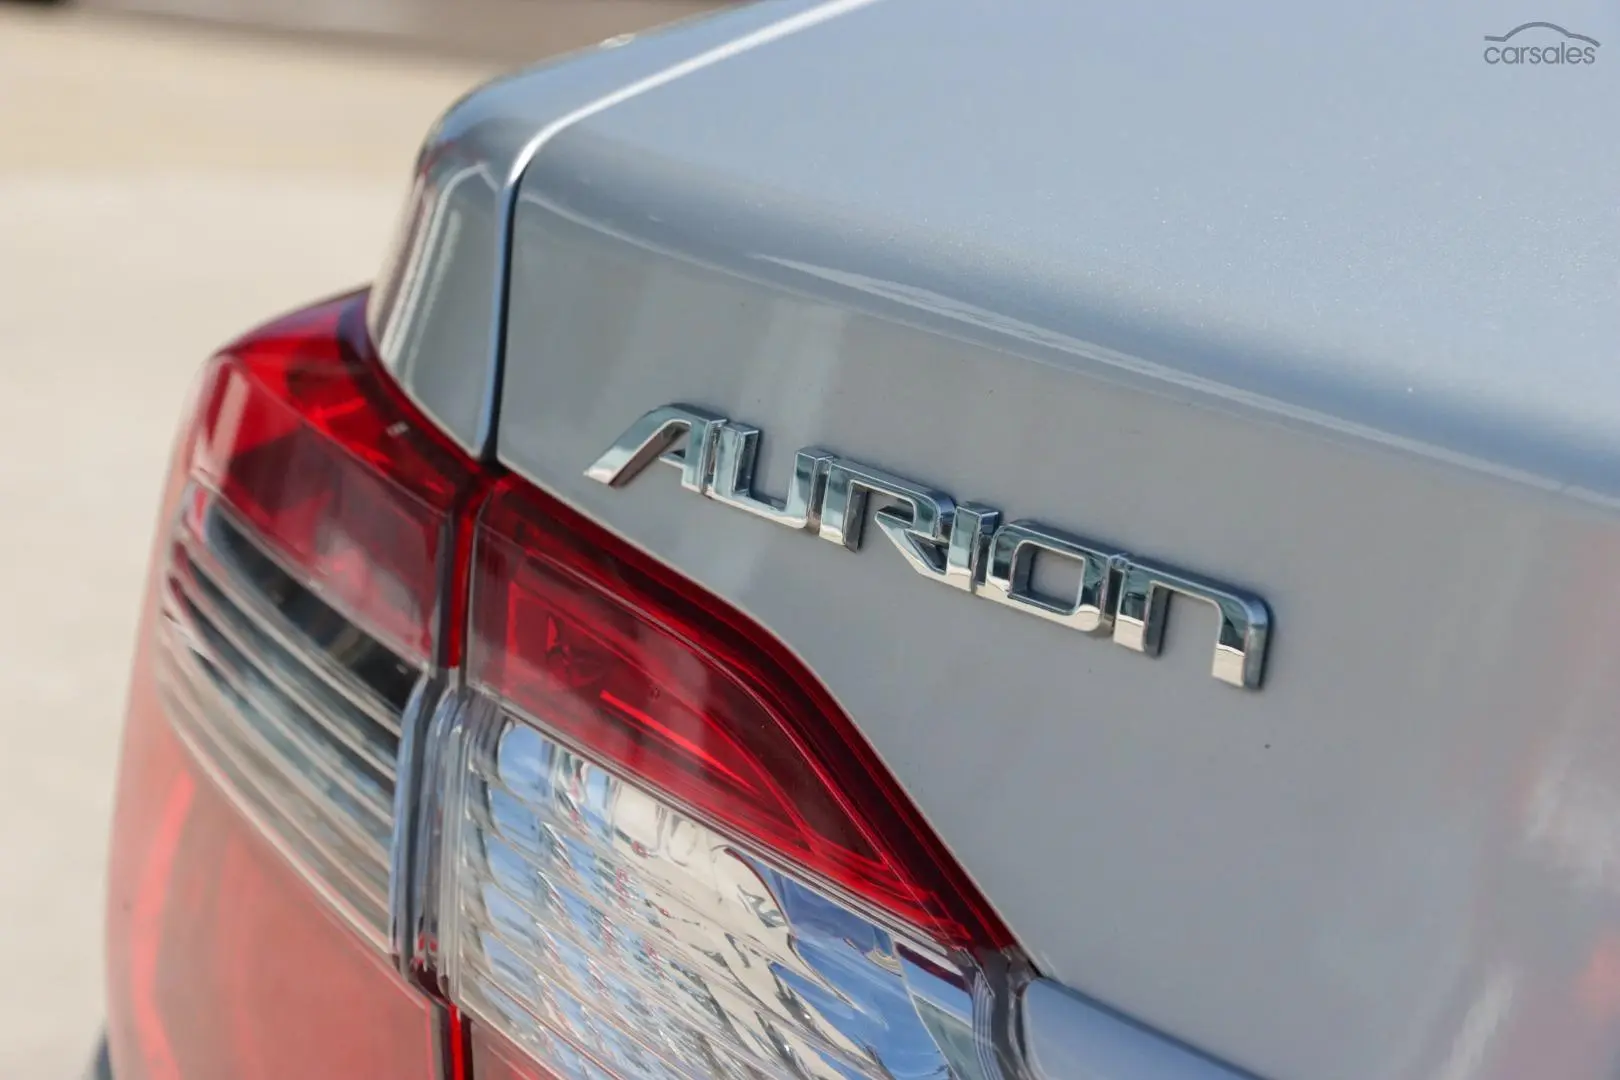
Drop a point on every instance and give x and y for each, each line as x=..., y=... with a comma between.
x=171, y=172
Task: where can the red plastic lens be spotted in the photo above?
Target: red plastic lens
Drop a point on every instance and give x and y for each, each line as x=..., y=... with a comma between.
x=304, y=436
x=494, y=1058
x=653, y=675
x=222, y=961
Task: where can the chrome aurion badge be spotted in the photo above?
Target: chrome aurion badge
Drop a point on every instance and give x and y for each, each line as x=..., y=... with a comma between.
x=962, y=545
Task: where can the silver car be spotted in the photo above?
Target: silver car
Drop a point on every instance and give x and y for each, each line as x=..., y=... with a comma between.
x=918, y=538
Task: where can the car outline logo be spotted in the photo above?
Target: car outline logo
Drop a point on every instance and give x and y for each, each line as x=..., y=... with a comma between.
x=1564, y=54
x=1540, y=25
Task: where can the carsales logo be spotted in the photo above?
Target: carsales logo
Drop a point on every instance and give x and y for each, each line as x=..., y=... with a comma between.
x=1540, y=43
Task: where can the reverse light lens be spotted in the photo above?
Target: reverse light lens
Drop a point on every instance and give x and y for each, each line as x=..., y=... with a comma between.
x=607, y=933
x=652, y=675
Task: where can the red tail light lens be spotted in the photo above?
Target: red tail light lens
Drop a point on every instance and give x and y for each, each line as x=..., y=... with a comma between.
x=653, y=676
x=493, y=1058
x=221, y=960
x=295, y=609
x=303, y=437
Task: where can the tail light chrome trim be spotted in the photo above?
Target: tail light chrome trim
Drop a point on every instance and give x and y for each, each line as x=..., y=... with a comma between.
x=421, y=908
x=406, y=850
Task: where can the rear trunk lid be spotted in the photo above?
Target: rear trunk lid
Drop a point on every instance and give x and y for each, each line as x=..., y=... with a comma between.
x=1317, y=303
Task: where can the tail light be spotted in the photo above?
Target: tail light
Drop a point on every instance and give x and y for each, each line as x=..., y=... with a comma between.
x=636, y=837
x=669, y=854
x=295, y=618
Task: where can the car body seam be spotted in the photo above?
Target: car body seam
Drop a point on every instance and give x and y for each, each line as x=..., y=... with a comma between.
x=485, y=439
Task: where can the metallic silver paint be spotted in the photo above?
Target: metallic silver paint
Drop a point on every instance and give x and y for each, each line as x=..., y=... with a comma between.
x=1193, y=318
x=1066, y=1037
x=439, y=298
x=1307, y=293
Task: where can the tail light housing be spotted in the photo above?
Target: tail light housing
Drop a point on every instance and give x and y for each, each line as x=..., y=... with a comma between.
x=667, y=852
x=427, y=775
x=294, y=617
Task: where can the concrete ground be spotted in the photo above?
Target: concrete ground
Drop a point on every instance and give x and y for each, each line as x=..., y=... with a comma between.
x=160, y=190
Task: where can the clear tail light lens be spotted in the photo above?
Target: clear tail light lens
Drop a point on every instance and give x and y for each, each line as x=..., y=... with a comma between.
x=668, y=854
x=608, y=933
